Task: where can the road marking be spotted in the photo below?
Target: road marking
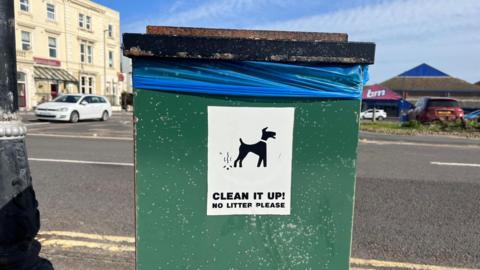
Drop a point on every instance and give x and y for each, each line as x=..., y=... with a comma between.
x=110, y=238
x=79, y=136
x=377, y=142
x=115, y=244
x=68, y=244
x=455, y=164
x=36, y=124
x=108, y=243
x=80, y=162
x=401, y=265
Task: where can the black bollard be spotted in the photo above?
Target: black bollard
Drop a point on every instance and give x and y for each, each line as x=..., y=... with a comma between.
x=19, y=215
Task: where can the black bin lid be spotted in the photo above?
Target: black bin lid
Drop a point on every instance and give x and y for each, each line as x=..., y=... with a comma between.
x=247, y=45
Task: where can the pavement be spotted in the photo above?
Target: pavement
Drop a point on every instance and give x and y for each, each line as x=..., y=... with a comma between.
x=416, y=205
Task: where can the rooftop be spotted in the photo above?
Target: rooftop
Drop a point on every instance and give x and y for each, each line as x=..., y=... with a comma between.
x=427, y=78
x=423, y=70
x=430, y=84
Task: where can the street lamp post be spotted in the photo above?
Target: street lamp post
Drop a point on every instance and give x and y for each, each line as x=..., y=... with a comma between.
x=104, y=62
x=19, y=216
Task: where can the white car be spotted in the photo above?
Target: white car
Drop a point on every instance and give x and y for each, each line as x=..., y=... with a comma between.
x=75, y=107
x=368, y=114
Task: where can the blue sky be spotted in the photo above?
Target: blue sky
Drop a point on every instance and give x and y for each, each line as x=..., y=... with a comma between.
x=442, y=33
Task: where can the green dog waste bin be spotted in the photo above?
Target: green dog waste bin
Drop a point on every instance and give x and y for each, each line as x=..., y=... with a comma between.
x=245, y=147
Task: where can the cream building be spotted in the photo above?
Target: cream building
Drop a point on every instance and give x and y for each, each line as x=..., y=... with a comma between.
x=67, y=46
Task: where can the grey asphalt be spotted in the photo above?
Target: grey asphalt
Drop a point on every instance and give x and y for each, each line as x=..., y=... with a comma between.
x=85, y=198
x=80, y=149
x=120, y=126
x=406, y=209
x=86, y=206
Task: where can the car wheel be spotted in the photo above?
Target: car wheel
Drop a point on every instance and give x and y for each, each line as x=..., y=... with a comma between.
x=74, y=117
x=380, y=118
x=104, y=116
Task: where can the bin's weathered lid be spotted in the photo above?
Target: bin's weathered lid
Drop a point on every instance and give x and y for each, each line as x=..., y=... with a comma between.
x=247, y=45
x=246, y=34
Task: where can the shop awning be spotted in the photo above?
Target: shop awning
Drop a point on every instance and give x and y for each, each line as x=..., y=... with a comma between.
x=54, y=74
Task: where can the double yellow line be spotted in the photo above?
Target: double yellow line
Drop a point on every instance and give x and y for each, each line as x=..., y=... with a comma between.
x=69, y=240
x=122, y=244
x=367, y=264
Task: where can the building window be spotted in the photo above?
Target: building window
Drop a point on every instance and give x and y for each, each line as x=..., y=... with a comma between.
x=90, y=85
x=88, y=23
x=84, y=21
x=87, y=84
x=51, y=11
x=82, y=53
x=83, y=84
x=81, y=20
x=21, y=77
x=24, y=5
x=110, y=31
x=86, y=53
x=26, y=41
x=89, y=54
x=52, y=47
x=110, y=59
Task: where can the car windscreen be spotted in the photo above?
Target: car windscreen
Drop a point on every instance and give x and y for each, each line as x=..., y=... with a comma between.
x=67, y=99
x=442, y=103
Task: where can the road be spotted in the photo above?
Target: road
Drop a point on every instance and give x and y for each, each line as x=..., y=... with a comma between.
x=417, y=198
x=410, y=210
x=87, y=207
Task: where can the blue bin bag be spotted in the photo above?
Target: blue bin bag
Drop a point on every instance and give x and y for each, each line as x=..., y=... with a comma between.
x=250, y=78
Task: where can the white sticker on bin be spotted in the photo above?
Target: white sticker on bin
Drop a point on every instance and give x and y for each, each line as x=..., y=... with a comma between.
x=249, y=160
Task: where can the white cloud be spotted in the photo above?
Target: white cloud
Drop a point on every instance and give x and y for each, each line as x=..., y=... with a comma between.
x=213, y=10
x=213, y=13
x=443, y=33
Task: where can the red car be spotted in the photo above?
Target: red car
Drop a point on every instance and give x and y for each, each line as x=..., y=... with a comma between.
x=428, y=109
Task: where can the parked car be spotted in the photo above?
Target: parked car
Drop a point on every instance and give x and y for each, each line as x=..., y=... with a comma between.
x=75, y=107
x=428, y=109
x=368, y=114
x=473, y=116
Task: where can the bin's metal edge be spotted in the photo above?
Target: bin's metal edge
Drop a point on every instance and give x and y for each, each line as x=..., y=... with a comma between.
x=245, y=33
x=241, y=49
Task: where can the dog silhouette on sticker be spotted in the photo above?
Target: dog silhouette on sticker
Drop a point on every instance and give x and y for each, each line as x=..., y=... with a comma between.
x=259, y=148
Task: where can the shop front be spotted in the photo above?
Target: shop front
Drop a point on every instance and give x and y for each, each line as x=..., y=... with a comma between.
x=379, y=97
x=52, y=82
x=42, y=80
